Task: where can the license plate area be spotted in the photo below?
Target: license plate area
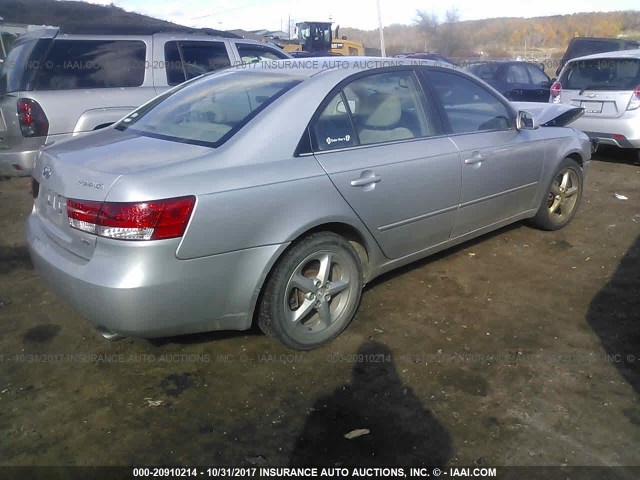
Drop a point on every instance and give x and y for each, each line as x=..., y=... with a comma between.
x=592, y=107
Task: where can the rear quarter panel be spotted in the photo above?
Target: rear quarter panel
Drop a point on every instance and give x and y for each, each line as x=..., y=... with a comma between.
x=241, y=206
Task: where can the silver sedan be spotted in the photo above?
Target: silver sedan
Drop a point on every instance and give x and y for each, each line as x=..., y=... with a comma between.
x=272, y=193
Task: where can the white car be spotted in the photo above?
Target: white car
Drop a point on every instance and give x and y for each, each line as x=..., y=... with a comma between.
x=607, y=86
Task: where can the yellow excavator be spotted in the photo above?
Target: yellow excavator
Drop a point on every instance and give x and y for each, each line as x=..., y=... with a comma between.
x=316, y=38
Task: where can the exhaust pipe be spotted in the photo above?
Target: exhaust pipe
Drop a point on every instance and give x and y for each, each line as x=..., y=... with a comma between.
x=109, y=334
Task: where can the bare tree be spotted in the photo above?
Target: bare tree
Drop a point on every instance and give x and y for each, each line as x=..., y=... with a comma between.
x=427, y=23
x=452, y=39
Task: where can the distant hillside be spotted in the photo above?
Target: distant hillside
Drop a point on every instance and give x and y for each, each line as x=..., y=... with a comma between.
x=504, y=36
x=53, y=12
x=540, y=37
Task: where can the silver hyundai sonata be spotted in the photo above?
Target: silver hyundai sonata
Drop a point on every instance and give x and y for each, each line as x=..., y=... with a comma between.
x=272, y=193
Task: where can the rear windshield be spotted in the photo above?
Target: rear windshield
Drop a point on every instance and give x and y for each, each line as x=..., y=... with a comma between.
x=602, y=74
x=210, y=110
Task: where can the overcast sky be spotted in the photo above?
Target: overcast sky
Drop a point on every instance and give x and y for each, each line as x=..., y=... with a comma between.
x=270, y=14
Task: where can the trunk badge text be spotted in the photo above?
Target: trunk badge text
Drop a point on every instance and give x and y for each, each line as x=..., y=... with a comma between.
x=89, y=183
x=46, y=172
x=55, y=201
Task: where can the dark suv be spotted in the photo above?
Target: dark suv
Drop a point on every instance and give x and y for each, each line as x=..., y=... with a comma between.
x=55, y=85
x=581, y=46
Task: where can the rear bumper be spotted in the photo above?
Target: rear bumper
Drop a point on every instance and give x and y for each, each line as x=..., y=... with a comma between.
x=622, y=132
x=142, y=289
x=17, y=164
x=613, y=139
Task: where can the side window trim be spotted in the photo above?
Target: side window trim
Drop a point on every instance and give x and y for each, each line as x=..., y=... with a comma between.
x=181, y=56
x=440, y=105
x=427, y=97
x=345, y=102
x=425, y=82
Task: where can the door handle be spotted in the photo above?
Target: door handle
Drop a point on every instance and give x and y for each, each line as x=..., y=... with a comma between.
x=476, y=157
x=363, y=181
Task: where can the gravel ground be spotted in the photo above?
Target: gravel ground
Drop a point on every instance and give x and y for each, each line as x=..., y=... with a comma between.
x=518, y=348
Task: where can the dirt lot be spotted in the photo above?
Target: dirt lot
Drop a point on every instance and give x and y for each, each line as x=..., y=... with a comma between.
x=519, y=348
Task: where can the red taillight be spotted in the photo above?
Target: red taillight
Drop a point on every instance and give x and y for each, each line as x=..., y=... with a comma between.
x=33, y=122
x=556, y=89
x=153, y=220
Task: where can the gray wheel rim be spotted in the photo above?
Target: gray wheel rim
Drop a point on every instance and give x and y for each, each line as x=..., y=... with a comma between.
x=563, y=195
x=320, y=292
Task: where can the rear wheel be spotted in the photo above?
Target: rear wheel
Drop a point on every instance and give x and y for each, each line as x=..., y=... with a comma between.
x=312, y=293
x=562, y=198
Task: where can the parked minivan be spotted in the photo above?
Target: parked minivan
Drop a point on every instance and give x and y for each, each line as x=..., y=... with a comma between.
x=607, y=86
x=58, y=83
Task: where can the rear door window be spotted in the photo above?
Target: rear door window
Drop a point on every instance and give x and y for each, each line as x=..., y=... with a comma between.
x=188, y=59
x=334, y=129
x=72, y=64
x=485, y=71
x=378, y=108
x=517, y=74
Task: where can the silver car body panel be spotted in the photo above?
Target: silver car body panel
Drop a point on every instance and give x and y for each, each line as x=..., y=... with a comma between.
x=255, y=197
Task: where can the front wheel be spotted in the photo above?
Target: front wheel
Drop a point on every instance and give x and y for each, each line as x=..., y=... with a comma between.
x=562, y=198
x=312, y=293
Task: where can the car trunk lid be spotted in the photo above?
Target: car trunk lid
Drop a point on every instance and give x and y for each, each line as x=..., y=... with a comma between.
x=59, y=181
x=604, y=104
x=86, y=169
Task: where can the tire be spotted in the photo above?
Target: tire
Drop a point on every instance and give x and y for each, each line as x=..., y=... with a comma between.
x=560, y=202
x=305, y=305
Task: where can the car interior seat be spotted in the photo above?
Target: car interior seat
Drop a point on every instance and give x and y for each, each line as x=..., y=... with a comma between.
x=379, y=119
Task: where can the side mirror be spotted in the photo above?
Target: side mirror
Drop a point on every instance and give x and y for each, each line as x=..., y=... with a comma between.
x=526, y=121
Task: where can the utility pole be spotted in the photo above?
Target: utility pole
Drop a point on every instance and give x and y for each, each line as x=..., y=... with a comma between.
x=382, y=49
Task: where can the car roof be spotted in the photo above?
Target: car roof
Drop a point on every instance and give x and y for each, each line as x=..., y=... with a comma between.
x=504, y=62
x=311, y=66
x=128, y=30
x=602, y=39
x=635, y=53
